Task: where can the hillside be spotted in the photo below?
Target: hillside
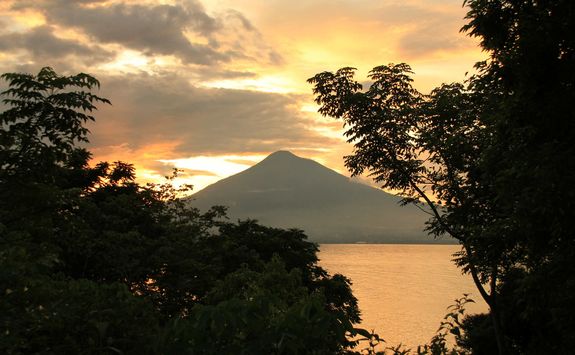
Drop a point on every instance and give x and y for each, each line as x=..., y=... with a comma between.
x=288, y=191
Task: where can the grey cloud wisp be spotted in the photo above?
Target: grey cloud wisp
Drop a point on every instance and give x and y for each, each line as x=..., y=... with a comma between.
x=183, y=30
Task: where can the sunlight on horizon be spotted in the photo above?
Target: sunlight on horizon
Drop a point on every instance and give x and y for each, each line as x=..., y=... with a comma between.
x=271, y=84
x=177, y=70
x=202, y=171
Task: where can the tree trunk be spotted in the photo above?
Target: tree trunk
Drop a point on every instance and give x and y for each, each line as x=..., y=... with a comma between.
x=495, y=315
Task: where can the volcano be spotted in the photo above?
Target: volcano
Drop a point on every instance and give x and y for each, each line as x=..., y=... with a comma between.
x=287, y=191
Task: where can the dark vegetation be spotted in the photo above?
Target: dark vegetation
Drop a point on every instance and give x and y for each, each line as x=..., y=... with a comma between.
x=92, y=262
x=492, y=160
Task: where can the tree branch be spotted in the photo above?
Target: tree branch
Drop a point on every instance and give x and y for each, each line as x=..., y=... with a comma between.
x=473, y=271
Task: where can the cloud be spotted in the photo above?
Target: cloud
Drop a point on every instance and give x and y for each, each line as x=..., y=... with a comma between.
x=198, y=172
x=157, y=59
x=200, y=121
x=183, y=30
x=43, y=45
x=236, y=15
x=225, y=74
x=424, y=28
x=167, y=168
x=158, y=29
x=431, y=38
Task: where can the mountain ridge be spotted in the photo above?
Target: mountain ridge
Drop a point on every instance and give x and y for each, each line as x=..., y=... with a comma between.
x=288, y=191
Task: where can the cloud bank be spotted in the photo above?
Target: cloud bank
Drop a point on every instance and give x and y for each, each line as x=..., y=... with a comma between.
x=192, y=78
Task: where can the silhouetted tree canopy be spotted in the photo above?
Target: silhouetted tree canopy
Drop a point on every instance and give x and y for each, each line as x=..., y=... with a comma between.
x=93, y=262
x=492, y=159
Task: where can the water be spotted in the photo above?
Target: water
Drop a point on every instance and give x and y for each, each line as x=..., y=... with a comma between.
x=403, y=290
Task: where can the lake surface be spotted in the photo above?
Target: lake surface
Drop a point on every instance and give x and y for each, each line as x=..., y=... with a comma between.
x=403, y=290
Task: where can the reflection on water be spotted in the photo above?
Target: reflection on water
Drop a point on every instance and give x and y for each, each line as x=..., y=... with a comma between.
x=403, y=290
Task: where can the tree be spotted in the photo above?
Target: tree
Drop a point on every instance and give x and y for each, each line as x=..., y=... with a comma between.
x=492, y=160
x=529, y=163
x=44, y=122
x=93, y=262
x=44, y=177
x=40, y=129
x=425, y=146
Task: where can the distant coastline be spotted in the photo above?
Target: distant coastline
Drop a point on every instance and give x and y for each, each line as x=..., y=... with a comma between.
x=407, y=242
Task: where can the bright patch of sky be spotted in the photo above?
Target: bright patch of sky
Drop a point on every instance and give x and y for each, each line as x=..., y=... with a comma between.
x=195, y=83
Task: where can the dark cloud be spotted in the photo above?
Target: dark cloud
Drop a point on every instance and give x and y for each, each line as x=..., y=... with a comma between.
x=238, y=16
x=200, y=120
x=241, y=161
x=161, y=168
x=183, y=30
x=167, y=168
x=43, y=45
x=156, y=29
x=192, y=172
x=230, y=74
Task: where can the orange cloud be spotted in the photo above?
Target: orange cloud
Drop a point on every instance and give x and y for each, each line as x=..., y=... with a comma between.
x=227, y=78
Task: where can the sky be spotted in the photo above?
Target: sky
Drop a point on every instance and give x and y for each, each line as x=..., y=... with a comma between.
x=214, y=86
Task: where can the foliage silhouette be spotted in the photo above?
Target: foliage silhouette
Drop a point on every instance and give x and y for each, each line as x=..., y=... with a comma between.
x=492, y=159
x=93, y=262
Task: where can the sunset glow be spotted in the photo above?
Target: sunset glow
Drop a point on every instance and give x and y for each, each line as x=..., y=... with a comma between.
x=276, y=85
x=206, y=170
x=199, y=85
x=129, y=61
